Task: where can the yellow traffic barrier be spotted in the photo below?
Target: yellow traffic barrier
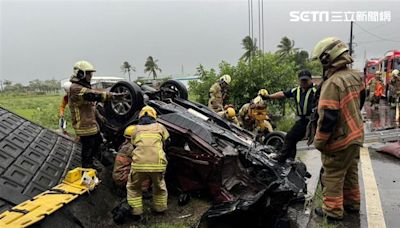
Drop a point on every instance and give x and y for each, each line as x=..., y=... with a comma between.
x=77, y=182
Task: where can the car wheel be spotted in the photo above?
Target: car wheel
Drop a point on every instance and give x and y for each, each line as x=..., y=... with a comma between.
x=173, y=89
x=275, y=139
x=131, y=103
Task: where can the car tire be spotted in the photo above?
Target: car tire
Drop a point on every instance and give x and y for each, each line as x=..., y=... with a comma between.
x=177, y=88
x=275, y=139
x=132, y=103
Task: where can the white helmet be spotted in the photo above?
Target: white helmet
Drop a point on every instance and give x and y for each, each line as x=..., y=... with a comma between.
x=67, y=85
x=395, y=72
x=83, y=66
x=225, y=78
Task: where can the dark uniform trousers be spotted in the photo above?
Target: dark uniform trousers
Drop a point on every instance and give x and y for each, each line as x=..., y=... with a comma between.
x=293, y=136
x=90, y=148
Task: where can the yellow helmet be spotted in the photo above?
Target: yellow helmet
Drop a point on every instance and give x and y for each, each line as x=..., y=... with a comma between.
x=395, y=72
x=225, y=78
x=328, y=49
x=230, y=112
x=147, y=110
x=129, y=130
x=84, y=66
x=263, y=92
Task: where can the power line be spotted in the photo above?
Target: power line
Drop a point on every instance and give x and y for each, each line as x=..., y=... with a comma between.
x=259, y=23
x=377, y=36
x=248, y=7
x=262, y=14
x=252, y=27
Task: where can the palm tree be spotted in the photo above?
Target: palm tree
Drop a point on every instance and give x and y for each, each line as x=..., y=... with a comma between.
x=250, y=46
x=127, y=68
x=286, y=47
x=151, y=66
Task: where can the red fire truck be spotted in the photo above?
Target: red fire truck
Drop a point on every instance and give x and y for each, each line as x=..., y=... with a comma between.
x=387, y=64
x=371, y=66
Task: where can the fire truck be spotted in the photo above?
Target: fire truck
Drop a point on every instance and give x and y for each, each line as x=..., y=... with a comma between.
x=389, y=62
x=371, y=66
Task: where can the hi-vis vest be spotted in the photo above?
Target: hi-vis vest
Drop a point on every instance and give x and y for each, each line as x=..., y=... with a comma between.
x=303, y=111
x=148, y=155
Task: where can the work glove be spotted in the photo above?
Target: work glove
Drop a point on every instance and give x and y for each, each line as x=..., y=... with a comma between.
x=265, y=97
x=118, y=96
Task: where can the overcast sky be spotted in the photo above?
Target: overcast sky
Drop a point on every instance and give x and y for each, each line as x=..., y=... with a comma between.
x=43, y=39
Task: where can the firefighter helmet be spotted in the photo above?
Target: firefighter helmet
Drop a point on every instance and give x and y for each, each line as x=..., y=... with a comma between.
x=149, y=111
x=395, y=72
x=230, y=112
x=263, y=92
x=129, y=131
x=225, y=78
x=83, y=66
x=328, y=49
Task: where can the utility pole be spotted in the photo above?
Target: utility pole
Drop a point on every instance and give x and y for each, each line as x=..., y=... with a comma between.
x=351, y=39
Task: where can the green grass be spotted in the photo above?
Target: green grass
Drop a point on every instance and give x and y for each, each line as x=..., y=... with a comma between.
x=40, y=109
x=318, y=198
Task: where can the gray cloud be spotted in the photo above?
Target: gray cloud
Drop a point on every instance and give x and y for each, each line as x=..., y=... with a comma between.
x=42, y=39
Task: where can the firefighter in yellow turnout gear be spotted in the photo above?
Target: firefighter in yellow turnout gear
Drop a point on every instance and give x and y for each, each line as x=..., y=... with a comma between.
x=218, y=93
x=253, y=116
x=82, y=101
x=148, y=162
x=123, y=160
x=340, y=132
x=230, y=115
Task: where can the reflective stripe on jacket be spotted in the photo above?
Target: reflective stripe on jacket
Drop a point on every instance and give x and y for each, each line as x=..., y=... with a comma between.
x=340, y=94
x=148, y=155
x=83, y=113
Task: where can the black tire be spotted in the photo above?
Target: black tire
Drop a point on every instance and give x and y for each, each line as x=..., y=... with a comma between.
x=275, y=139
x=132, y=103
x=173, y=89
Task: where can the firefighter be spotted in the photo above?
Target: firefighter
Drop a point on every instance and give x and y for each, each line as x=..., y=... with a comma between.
x=218, y=93
x=253, y=116
x=123, y=160
x=81, y=99
x=340, y=132
x=375, y=87
x=229, y=114
x=303, y=96
x=148, y=162
x=64, y=101
x=395, y=84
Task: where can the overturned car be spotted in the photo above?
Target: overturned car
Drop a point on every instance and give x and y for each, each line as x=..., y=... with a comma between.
x=210, y=155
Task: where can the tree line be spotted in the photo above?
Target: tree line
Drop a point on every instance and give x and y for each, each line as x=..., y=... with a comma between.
x=34, y=86
x=274, y=71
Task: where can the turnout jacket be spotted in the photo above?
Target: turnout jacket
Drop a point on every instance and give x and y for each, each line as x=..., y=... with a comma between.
x=340, y=123
x=149, y=155
x=82, y=104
